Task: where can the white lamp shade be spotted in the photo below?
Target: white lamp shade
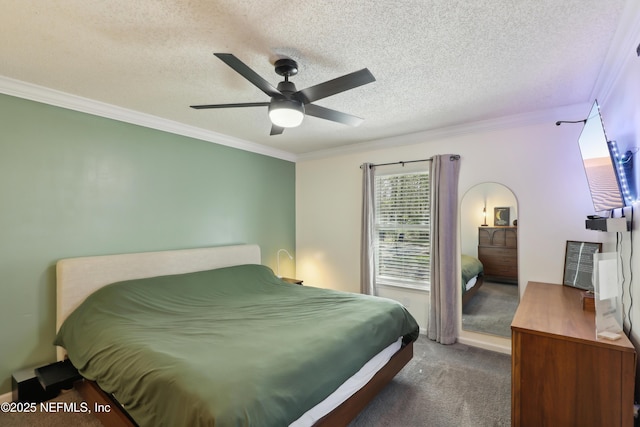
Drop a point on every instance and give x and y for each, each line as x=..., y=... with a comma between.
x=286, y=113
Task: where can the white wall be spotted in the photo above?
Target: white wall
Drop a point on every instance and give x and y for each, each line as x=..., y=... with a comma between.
x=620, y=109
x=540, y=163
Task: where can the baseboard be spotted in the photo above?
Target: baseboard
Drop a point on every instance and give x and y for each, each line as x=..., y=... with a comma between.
x=7, y=397
x=499, y=347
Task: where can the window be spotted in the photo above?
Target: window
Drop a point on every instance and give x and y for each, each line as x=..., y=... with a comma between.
x=402, y=229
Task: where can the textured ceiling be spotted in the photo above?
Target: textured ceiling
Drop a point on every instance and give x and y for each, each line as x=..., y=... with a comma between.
x=437, y=63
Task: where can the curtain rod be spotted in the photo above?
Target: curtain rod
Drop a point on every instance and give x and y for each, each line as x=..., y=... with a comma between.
x=400, y=163
x=452, y=157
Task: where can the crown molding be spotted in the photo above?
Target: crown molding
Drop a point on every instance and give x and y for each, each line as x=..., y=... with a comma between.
x=550, y=116
x=56, y=98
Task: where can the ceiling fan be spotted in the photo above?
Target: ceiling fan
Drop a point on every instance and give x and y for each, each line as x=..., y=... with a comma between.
x=288, y=105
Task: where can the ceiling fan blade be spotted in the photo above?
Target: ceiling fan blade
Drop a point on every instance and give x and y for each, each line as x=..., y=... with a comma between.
x=337, y=85
x=245, y=104
x=333, y=115
x=276, y=130
x=246, y=72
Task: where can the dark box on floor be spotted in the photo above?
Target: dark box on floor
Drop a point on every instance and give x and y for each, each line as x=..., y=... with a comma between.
x=43, y=383
x=25, y=387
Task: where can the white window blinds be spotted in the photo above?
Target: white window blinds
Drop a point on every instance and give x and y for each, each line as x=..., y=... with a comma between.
x=402, y=214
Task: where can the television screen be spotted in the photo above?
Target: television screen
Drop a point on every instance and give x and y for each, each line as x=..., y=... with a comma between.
x=598, y=164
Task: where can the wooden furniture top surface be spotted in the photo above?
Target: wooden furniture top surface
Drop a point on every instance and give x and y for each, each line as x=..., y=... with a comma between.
x=556, y=310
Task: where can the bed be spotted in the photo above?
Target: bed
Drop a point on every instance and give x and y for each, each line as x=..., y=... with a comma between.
x=209, y=336
x=472, y=276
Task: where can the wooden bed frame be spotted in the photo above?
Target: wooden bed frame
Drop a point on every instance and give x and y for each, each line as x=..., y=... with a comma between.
x=77, y=278
x=341, y=416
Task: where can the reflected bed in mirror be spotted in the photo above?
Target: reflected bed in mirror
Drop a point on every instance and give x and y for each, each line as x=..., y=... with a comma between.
x=472, y=277
x=490, y=293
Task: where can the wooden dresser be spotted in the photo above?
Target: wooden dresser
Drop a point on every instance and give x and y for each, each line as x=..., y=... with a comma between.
x=498, y=252
x=561, y=374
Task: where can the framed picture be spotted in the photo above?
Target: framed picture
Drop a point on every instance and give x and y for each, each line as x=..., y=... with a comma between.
x=578, y=264
x=500, y=216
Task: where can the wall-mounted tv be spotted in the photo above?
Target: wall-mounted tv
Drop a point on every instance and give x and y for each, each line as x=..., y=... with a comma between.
x=598, y=159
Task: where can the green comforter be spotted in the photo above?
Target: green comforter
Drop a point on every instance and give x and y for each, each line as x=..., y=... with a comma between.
x=228, y=347
x=470, y=268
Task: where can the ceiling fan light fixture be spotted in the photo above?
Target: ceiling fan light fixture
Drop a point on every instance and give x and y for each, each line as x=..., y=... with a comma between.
x=286, y=113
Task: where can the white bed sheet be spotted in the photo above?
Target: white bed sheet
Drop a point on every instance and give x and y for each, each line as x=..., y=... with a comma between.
x=349, y=387
x=471, y=283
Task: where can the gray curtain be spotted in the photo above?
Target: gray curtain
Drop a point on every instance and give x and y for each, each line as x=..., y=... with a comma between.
x=443, y=313
x=367, y=254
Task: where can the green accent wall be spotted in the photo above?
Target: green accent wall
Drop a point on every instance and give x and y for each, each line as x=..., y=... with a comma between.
x=73, y=184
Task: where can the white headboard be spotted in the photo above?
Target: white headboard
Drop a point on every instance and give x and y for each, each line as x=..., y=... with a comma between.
x=77, y=278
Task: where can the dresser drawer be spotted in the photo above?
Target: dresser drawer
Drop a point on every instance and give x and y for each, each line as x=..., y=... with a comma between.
x=498, y=236
x=506, y=254
x=499, y=262
x=508, y=271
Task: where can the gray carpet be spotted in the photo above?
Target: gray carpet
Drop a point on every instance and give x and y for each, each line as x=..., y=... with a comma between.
x=491, y=309
x=445, y=386
x=442, y=386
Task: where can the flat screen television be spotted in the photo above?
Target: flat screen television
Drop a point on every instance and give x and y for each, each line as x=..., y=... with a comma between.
x=599, y=163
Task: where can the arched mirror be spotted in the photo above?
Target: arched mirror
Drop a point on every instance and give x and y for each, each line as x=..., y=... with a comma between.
x=489, y=247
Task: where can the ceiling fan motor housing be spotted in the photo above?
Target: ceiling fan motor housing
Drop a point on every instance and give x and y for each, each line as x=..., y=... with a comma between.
x=287, y=88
